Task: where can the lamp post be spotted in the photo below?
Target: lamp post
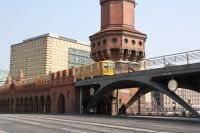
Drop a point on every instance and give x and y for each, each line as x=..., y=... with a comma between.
x=174, y=107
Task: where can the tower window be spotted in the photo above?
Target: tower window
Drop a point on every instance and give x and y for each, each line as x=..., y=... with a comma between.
x=99, y=43
x=126, y=41
x=93, y=45
x=140, y=43
x=104, y=41
x=133, y=42
x=114, y=40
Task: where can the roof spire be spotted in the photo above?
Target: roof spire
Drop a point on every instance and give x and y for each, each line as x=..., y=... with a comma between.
x=20, y=76
x=9, y=79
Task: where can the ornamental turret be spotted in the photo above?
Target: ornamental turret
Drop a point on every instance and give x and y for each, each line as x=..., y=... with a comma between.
x=20, y=77
x=8, y=80
x=118, y=40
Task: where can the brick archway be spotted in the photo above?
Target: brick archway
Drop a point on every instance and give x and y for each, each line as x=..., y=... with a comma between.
x=48, y=104
x=17, y=105
x=30, y=110
x=42, y=105
x=12, y=108
x=35, y=105
x=21, y=106
x=61, y=103
x=26, y=105
x=8, y=105
x=2, y=105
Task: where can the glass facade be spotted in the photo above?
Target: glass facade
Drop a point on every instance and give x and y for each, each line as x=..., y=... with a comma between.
x=78, y=57
x=3, y=76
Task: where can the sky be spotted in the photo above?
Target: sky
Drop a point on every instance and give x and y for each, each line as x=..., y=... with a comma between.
x=172, y=26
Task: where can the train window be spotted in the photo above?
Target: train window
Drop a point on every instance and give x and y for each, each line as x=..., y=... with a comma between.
x=87, y=68
x=76, y=71
x=106, y=65
x=111, y=65
x=100, y=65
x=95, y=66
x=82, y=69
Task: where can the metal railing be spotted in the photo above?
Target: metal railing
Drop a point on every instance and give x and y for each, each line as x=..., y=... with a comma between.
x=184, y=58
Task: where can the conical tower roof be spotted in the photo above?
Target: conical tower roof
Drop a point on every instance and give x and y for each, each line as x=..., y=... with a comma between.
x=9, y=79
x=20, y=76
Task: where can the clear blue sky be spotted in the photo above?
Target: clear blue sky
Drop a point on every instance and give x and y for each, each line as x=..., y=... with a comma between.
x=171, y=25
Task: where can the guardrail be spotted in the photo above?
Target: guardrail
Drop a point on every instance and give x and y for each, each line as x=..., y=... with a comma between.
x=184, y=58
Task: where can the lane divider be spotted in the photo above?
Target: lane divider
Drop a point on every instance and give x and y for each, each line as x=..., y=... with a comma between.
x=77, y=131
x=102, y=125
x=2, y=131
x=40, y=122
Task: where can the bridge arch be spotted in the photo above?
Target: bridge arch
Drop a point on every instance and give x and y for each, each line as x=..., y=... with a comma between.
x=30, y=108
x=42, y=105
x=17, y=105
x=35, y=108
x=21, y=105
x=48, y=104
x=61, y=103
x=127, y=82
x=8, y=105
x=26, y=105
x=5, y=106
x=12, y=107
x=2, y=105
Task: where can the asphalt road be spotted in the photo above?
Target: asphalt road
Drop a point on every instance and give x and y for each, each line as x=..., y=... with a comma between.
x=12, y=123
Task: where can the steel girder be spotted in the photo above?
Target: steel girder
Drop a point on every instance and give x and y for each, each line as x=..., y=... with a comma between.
x=130, y=82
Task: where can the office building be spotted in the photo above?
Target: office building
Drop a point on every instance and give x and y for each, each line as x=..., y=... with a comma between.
x=47, y=53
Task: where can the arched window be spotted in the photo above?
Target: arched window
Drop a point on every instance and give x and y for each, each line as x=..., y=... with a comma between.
x=133, y=42
x=114, y=40
x=125, y=41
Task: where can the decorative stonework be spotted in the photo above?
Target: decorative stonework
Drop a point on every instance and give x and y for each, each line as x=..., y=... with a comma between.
x=118, y=33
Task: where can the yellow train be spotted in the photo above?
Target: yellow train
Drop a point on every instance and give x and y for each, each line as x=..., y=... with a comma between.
x=97, y=69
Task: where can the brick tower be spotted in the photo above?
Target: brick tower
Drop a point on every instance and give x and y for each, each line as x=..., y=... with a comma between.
x=118, y=40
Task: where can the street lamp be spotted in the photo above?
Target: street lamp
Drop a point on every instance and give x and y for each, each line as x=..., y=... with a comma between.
x=174, y=107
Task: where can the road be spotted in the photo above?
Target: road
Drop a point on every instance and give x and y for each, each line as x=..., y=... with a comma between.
x=13, y=123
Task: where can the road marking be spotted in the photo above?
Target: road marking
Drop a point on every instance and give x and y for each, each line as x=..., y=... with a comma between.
x=102, y=125
x=50, y=122
x=23, y=121
x=2, y=131
x=164, y=132
x=77, y=131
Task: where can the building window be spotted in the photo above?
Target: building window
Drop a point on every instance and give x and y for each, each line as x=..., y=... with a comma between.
x=104, y=41
x=125, y=41
x=78, y=57
x=114, y=40
x=140, y=43
x=93, y=45
x=133, y=42
x=99, y=43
